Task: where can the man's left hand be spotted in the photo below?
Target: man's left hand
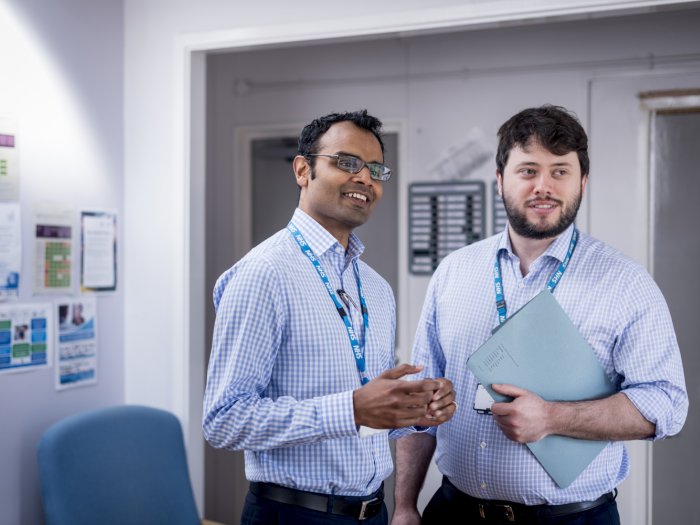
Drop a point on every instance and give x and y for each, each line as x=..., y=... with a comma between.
x=524, y=419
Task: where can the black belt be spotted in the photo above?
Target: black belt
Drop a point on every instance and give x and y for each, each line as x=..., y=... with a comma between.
x=517, y=512
x=352, y=506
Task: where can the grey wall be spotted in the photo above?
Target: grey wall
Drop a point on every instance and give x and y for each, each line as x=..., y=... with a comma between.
x=62, y=81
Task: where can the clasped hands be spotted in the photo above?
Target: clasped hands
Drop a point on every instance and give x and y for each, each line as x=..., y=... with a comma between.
x=389, y=402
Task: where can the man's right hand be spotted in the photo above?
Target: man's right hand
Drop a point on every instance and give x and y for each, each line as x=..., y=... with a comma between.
x=388, y=402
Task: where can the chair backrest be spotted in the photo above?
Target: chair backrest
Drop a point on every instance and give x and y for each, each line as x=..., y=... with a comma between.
x=117, y=465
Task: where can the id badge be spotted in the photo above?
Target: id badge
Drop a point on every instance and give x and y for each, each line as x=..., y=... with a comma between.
x=482, y=400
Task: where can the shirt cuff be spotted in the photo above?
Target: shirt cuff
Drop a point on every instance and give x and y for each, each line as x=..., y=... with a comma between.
x=337, y=415
x=398, y=433
x=369, y=431
x=655, y=407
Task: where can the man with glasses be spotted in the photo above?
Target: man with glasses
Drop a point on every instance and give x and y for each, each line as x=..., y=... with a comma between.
x=490, y=476
x=301, y=371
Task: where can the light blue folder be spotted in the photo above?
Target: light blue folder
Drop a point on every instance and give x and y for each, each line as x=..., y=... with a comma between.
x=539, y=349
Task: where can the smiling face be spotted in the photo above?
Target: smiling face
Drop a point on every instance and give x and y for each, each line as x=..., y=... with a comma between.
x=340, y=201
x=541, y=191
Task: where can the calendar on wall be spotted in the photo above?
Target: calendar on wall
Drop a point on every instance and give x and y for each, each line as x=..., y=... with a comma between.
x=500, y=219
x=443, y=217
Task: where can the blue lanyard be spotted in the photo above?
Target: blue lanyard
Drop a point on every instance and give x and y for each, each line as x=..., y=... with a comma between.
x=357, y=350
x=553, y=281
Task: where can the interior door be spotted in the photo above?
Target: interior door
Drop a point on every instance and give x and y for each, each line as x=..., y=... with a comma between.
x=675, y=162
x=648, y=210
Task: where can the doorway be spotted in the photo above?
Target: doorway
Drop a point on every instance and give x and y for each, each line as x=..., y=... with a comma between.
x=675, y=156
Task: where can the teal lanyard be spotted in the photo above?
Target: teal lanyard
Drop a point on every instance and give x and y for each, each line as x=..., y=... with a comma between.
x=358, y=350
x=553, y=281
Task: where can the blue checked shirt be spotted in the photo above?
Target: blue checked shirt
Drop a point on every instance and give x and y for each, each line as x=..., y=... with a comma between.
x=616, y=306
x=282, y=372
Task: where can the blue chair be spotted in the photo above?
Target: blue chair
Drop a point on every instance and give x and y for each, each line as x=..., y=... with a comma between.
x=116, y=466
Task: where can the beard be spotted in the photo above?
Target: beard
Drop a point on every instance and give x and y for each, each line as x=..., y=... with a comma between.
x=518, y=220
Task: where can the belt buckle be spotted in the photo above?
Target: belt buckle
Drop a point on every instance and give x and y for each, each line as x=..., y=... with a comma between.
x=364, y=507
x=507, y=510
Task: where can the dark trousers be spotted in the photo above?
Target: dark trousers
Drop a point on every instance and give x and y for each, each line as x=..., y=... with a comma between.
x=446, y=508
x=259, y=511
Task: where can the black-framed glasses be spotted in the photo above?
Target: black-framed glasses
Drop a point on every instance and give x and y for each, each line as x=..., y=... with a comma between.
x=353, y=164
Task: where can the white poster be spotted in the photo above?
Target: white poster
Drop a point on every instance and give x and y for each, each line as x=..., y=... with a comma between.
x=53, y=257
x=25, y=336
x=10, y=250
x=76, y=355
x=98, y=271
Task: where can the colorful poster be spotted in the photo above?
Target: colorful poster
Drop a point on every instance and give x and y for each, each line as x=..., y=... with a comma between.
x=98, y=254
x=76, y=356
x=10, y=250
x=53, y=258
x=9, y=170
x=25, y=336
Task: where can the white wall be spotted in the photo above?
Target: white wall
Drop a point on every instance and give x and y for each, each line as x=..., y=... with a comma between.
x=160, y=32
x=61, y=82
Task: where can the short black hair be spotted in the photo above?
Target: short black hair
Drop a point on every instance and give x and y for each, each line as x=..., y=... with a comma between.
x=552, y=127
x=312, y=132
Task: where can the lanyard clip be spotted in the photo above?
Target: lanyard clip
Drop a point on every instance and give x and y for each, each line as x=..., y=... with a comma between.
x=346, y=298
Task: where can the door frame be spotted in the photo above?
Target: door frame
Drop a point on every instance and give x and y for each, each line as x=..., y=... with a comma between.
x=654, y=102
x=243, y=138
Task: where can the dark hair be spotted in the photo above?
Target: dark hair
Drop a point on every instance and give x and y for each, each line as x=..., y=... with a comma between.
x=312, y=133
x=552, y=127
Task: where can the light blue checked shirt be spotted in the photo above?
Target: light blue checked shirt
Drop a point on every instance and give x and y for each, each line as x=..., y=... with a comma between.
x=616, y=306
x=282, y=372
